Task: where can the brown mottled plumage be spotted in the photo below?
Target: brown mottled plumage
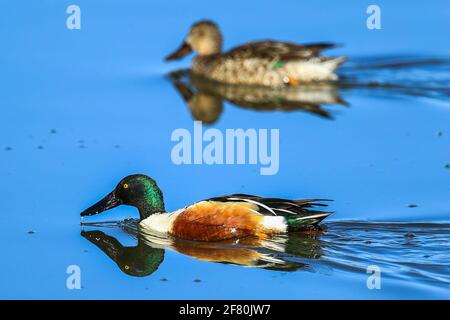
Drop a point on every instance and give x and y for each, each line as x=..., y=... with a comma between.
x=267, y=63
x=205, y=98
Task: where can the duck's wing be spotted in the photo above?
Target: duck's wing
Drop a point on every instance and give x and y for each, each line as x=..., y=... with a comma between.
x=304, y=208
x=240, y=215
x=275, y=50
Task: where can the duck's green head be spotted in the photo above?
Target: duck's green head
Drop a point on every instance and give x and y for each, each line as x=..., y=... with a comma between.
x=204, y=38
x=135, y=190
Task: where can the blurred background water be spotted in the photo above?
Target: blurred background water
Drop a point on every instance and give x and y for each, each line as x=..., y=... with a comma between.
x=80, y=109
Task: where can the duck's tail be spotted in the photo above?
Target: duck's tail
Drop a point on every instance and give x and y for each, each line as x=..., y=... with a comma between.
x=334, y=62
x=314, y=69
x=294, y=214
x=306, y=222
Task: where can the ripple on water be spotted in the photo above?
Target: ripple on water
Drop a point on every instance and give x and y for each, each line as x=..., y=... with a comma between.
x=403, y=251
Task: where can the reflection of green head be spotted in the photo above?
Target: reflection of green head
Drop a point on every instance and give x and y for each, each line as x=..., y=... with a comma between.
x=139, y=261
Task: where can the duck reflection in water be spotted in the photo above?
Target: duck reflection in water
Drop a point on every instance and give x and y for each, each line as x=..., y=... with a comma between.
x=283, y=253
x=205, y=97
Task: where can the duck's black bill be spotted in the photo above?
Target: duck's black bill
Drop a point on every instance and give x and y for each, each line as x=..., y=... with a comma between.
x=108, y=202
x=183, y=50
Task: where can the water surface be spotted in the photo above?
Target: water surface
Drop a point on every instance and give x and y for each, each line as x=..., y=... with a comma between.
x=82, y=109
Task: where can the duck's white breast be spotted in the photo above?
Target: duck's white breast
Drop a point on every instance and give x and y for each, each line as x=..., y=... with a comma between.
x=160, y=222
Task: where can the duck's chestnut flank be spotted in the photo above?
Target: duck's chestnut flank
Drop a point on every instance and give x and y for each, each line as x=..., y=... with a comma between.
x=213, y=221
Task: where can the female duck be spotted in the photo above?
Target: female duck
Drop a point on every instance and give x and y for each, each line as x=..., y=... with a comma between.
x=267, y=63
x=215, y=219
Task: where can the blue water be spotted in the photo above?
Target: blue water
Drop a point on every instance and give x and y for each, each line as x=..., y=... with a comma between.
x=83, y=108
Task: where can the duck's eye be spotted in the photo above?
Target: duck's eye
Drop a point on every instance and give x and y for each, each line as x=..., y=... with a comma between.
x=127, y=267
x=125, y=185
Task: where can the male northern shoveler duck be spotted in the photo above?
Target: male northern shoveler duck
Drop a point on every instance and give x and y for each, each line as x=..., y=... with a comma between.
x=215, y=219
x=268, y=63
